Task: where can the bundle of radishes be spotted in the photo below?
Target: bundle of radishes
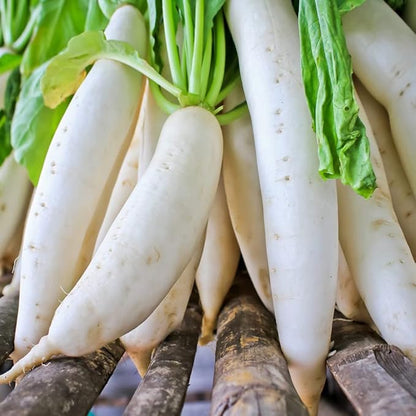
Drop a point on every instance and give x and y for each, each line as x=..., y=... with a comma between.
x=193, y=132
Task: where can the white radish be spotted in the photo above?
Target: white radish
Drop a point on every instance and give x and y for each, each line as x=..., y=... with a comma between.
x=140, y=342
x=152, y=123
x=15, y=191
x=217, y=268
x=300, y=209
x=13, y=287
x=14, y=246
x=383, y=52
x=138, y=156
x=76, y=181
x=242, y=191
x=146, y=248
x=124, y=185
x=379, y=257
x=349, y=301
x=404, y=202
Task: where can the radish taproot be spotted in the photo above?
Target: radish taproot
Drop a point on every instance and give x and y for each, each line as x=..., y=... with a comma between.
x=242, y=191
x=349, y=301
x=15, y=192
x=403, y=199
x=300, y=209
x=218, y=265
x=173, y=198
x=75, y=184
x=386, y=275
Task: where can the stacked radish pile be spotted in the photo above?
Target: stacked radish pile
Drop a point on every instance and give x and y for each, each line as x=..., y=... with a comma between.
x=181, y=137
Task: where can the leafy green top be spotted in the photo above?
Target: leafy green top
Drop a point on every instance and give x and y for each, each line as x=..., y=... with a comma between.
x=193, y=36
x=343, y=146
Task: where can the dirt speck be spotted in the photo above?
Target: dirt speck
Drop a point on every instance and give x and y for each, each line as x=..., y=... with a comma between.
x=379, y=223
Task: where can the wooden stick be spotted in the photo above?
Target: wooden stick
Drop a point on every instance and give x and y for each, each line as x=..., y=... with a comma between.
x=8, y=317
x=251, y=376
x=163, y=388
x=376, y=378
x=63, y=386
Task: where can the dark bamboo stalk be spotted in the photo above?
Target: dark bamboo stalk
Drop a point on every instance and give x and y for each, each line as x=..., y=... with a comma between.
x=163, y=388
x=251, y=376
x=8, y=316
x=376, y=378
x=63, y=386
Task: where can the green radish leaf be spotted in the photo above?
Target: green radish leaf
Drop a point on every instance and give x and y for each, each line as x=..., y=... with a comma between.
x=6, y=114
x=212, y=8
x=343, y=147
x=59, y=20
x=95, y=20
x=33, y=125
x=66, y=71
x=109, y=6
x=345, y=6
x=154, y=8
x=9, y=61
x=5, y=146
x=397, y=5
x=16, y=15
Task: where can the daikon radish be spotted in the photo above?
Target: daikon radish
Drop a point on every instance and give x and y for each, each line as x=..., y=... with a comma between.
x=380, y=258
x=75, y=183
x=15, y=191
x=300, y=209
x=242, y=191
x=404, y=202
x=153, y=120
x=218, y=265
x=348, y=300
x=13, y=287
x=173, y=199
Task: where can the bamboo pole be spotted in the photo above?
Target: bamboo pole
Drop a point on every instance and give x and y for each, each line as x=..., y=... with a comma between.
x=63, y=386
x=376, y=378
x=163, y=388
x=251, y=376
